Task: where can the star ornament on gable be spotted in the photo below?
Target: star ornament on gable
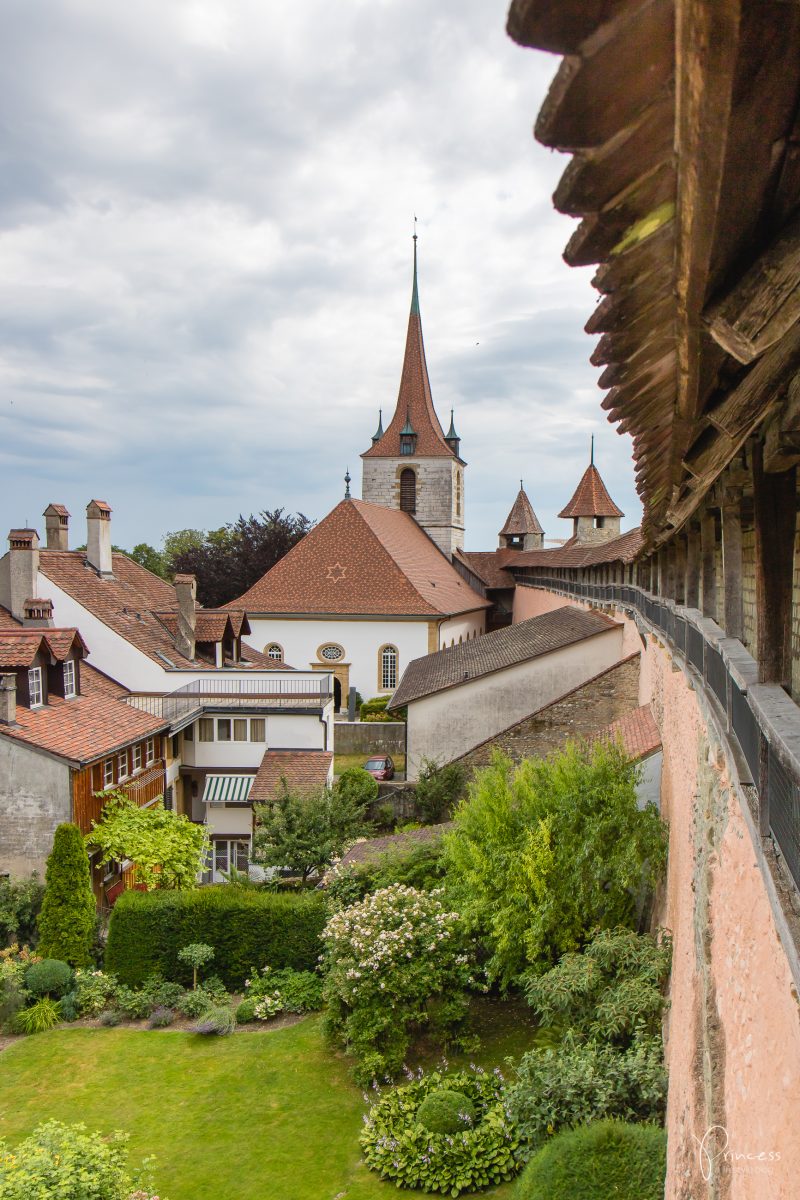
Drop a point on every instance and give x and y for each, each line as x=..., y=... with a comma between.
x=336, y=572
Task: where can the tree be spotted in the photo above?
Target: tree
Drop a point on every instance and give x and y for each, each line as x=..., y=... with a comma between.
x=438, y=788
x=196, y=955
x=357, y=785
x=147, y=556
x=306, y=831
x=545, y=853
x=169, y=850
x=68, y=918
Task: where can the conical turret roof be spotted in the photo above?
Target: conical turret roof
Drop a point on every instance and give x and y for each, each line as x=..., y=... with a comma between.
x=591, y=498
x=522, y=519
x=414, y=400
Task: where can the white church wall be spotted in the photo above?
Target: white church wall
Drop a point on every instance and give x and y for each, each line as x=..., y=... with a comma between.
x=462, y=629
x=361, y=639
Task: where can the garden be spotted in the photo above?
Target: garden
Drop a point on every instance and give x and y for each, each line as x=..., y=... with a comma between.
x=477, y=1014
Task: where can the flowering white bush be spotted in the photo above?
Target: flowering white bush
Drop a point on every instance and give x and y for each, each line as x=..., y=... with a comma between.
x=395, y=962
x=94, y=991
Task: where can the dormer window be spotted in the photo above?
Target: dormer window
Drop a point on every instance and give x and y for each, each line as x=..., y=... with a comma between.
x=69, y=679
x=408, y=438
x=35, y=687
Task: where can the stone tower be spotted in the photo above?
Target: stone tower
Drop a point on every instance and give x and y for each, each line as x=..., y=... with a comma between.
x=595, y=516
x=413, y=464
x=522, y=530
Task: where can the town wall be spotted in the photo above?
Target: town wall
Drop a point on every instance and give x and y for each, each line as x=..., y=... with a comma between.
x=35, y=797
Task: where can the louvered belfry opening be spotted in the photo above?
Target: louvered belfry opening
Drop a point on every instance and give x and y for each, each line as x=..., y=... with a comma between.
x=408, y=490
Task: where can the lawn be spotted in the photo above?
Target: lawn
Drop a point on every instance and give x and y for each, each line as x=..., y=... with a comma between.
x=343, y=762
x=239, y=1118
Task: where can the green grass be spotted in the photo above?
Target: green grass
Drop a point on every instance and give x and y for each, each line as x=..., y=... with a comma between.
x=343, y=762
x=238, y=1118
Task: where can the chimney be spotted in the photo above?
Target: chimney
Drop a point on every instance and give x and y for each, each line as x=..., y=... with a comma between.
x=23, y=568
x=186, y=592
x=56, y=521
x=8, y=699
x=98, y=537
x=37, y=614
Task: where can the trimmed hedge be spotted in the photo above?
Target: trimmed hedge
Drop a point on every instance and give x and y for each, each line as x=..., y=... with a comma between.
x=594, y=1162
x=248, y=930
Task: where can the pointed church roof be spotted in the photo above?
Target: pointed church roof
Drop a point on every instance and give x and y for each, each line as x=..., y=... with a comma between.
x=363, y=559
x=522, y=519
x=414, y=400
x=591, y=498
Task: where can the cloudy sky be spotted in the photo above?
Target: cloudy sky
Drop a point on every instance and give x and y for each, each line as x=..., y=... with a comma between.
x=206, y=211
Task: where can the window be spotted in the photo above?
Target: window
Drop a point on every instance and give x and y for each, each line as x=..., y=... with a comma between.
x=408, y=490
x=388, y=662
x=69, y=679
x=137, y=758
x=176, y=745
x=35, y=687
x=122, y=764
x=459, y=485
x=206, y=729
x=188, y=733
x=331, y=653
x=150, y=751
x=240, y=730
x=258, y=730
x=599, y=522
x=223, y=730
x=108, y=772
x=275, y=651
x=231, y=854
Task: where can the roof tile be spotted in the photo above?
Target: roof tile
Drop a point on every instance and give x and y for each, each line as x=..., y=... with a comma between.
x=302, y=769
x=591, y=498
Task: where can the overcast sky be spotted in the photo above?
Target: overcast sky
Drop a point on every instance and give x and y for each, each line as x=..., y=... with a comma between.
x=206, y=209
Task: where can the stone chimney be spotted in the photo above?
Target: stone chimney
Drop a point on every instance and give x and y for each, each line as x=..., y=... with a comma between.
x=8, y=699
x=23, y=559
x=56, y=521
x=37, y=614
x=98, y=537
x=186, y=593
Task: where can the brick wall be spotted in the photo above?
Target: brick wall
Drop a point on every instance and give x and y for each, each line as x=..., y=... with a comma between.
x=583, y=711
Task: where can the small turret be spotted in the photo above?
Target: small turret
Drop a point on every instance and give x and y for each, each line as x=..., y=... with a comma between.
x=522, y=530
x=595, y=516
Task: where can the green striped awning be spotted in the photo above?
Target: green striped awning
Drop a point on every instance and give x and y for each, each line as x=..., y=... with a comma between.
x=227, y=789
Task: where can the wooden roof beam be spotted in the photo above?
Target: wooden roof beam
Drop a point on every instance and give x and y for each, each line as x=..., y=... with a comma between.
x=560, y=26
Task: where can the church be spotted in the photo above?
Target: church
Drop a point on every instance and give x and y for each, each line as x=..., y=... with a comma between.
x=385, y=580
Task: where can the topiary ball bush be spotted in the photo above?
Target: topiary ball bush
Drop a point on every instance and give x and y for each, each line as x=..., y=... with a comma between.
x=446, y=1111
x=50, y=977
x=593, y=1162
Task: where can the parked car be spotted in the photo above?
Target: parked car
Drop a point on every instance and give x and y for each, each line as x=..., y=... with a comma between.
x=381, y=767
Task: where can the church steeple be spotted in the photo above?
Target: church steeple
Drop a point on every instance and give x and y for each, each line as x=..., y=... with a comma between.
x=522, y=530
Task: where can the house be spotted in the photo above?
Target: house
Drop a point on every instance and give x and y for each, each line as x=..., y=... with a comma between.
x=459, y=697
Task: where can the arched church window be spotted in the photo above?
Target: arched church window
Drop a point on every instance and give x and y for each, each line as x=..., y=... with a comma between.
x=275, y=651
x=408, y=490
x=388, y=667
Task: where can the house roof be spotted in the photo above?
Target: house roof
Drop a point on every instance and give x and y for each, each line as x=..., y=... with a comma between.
x=19, y=646
x=496, y=651
x=371, y=848
x=363, y=559
x=637, y=731
x=522, y=519
x=591, y=498
x=488, y=565
x=414, y=400
x=92, y=725
x=302, y=770
x=580, y=554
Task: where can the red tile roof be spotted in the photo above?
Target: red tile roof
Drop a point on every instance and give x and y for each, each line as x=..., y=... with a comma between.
x=90, y=726
x=577, y=554
x=414, y=400
x=363, y=559
x=302, y=769
x=458, y=665
x=591, y=499
x=522, y=519
x=57, y=510
x=19, y=646
x=488, y=566
x=637, y=730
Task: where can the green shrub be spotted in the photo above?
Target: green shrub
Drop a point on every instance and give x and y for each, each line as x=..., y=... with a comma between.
x=50, y=977
x=161, y=1018
x=246, y=1011
x=274, y=992
x=161, y=993
x=575, y=1084
x=69, y=1007
x=400, y=1148
x=446, y=1111
x=40, y=1017
x=438, y=789
x=132, y=1004
x=376, y=705
x=68, y=1162
x=148, y=929
x=68, y=918
x=613, y=991
x=94, y=991
x=595, y=1162
x=219, y=1021
x=358, y=786
x=194, y=1003
x=417, y=864
x=110, y=1018
x=20, y=904
x=13, y=997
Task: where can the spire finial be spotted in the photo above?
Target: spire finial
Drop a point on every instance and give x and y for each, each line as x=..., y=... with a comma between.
x=591, y=457
x=521, y=488
x=347, y=484
x=414, y=291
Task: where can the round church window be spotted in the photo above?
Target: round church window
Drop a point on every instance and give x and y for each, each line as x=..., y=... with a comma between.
x=331, y=653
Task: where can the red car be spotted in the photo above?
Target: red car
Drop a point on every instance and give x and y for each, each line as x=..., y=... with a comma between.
x=380, y=767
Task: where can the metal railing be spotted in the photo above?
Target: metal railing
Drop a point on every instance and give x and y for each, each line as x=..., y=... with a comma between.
x=762, y=720
x=281, y=690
